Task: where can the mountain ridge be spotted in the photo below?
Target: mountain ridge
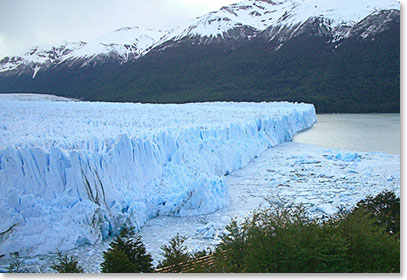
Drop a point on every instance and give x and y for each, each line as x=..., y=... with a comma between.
x=238, y=21
x=305, y=57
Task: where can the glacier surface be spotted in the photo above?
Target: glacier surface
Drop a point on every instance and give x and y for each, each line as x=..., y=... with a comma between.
x=72, y=173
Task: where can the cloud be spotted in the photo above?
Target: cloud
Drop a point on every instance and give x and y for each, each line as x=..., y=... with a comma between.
x=24, y=23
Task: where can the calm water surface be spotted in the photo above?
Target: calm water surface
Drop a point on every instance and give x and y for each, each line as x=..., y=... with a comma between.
x=357, y=132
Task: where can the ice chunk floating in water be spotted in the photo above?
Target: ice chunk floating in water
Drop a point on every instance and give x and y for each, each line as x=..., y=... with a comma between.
x=72, y=173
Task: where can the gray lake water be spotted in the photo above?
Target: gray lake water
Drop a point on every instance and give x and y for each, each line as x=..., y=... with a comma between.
x=356, y=132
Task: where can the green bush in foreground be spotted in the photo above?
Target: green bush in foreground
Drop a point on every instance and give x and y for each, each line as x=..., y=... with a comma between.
x=386, y=208
x=285, y=240
x=282, y=240
x=127, y=254
x=370, y=246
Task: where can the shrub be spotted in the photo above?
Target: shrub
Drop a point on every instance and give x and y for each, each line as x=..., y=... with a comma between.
x=386, y=208
x=370, y=246
x=281, y=239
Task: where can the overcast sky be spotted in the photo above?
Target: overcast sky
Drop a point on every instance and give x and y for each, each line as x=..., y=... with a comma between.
x=24, y=23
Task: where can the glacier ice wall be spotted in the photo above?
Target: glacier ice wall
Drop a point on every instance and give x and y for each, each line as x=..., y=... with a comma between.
x=72, y=173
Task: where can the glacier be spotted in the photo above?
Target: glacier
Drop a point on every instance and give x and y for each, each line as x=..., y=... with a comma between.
x=73, y=173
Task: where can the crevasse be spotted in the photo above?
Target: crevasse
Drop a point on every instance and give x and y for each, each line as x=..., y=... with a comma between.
x=70, y=188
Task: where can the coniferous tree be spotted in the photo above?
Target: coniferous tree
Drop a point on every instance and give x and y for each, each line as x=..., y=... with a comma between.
x=175, y=254
x=230, y=253
x=127, y=254
x=116, y=261
x=67, y=264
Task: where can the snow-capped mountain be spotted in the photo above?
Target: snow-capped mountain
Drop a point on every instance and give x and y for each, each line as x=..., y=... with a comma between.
x=334, y=18
x=250, y=17
x=39, y=56
x=237, y=21
x=122, y=45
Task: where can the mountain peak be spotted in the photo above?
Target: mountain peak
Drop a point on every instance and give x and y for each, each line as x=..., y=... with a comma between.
x=40, y=54
x=259, y=15
x=124, y=44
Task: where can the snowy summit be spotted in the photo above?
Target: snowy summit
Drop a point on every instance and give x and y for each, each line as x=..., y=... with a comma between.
x=258, y=15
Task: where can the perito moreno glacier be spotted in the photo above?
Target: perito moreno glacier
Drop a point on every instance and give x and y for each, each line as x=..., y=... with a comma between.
x=72, y=173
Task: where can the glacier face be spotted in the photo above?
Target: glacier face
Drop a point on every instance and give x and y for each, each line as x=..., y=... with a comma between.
x=72, y=173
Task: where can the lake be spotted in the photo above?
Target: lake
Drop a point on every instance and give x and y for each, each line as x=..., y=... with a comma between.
x=357, y=132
